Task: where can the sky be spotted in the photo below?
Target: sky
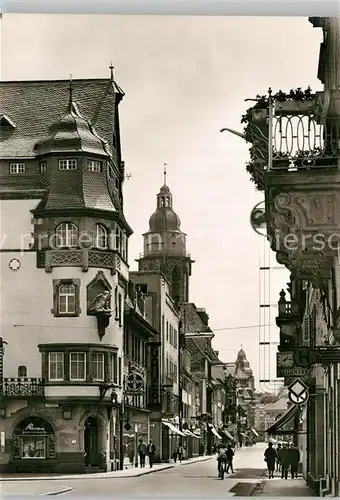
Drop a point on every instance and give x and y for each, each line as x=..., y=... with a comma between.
x=184, y=79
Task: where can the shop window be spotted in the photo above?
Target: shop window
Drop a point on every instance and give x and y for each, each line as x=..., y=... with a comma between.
x=22, y=371
x=66, y=297
x=33, y=438
x=66, y=235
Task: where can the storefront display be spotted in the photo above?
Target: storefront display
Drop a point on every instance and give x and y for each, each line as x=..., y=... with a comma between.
x=33, y=438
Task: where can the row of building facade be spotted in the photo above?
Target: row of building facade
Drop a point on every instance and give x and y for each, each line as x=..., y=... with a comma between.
x=301, y=187
x=95, y=356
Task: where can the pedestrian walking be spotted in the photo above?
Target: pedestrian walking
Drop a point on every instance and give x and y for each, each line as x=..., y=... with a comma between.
x=141, y=450
x=278, y=459
x=151, y=450
x=270, y=457
x=284, y=461
x=175, y=454
x=230, y=457
x=294, y=459
x=180, y=453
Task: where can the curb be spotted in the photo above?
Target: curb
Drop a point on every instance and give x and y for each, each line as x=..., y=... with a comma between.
x=58, y=492
x=95, y=476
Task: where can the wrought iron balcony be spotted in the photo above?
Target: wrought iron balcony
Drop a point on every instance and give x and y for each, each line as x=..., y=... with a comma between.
x=23, y=387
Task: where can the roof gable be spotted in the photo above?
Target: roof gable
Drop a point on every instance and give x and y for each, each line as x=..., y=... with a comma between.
x=35, y=105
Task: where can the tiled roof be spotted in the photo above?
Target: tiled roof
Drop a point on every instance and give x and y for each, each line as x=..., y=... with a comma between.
x=33, y=106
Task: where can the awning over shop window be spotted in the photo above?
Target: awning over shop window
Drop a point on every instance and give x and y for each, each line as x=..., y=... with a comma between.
x=227, y=433
x=214, y=431
x=189, y=433
x=287, y=418
x=254, y=432
x=173, y=428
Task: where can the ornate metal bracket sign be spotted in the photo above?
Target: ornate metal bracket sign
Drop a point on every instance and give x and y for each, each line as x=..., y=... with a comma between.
x=298, y=392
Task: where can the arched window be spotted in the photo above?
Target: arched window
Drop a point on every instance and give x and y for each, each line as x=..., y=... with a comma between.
x=22, y=371
x=67, y=299
x=99, y=236
x=33, y=438
x=66, y=235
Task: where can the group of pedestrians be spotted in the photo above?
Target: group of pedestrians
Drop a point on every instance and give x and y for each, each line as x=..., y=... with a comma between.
x=144, y=450
x=283, y=458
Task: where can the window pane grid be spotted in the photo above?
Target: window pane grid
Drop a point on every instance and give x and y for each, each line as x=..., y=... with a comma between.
x=67, y=164
x=98, y=366
x=56, y=366
x=67, y=299
x=77, y=366
x=99, y=236
x=17, y=168
x=94, y=166
x=66, y=235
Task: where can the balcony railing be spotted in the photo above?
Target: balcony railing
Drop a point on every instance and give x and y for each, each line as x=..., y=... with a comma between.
x=23, y=387
x=305, y=141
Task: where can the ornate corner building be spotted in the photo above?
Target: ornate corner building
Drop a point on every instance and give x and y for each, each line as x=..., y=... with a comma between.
x=64, y=274
x=301, y=183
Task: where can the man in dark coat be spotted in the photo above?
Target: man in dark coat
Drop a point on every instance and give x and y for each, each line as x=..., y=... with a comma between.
x=294, y=459
x=141, y=449
x=270, y=457
x=151, y=450
x=284, y=455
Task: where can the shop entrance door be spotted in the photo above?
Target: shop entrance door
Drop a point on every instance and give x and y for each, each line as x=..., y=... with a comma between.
x=91, y=441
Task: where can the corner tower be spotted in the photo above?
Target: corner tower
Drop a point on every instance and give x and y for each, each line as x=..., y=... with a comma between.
x=165, y=246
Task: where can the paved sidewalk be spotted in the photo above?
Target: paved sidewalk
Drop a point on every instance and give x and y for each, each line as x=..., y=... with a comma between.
x=278, y=487
x=129, y=472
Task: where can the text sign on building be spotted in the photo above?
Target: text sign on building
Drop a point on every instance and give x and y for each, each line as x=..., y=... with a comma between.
x=154, y=390
x=134, y=383
x=306, y=357
x=285, y=366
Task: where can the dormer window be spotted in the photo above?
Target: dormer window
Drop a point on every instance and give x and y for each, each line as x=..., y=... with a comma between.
x=17, y=168
x=67, y=164
x=43, y=167
x=100, y=236
x=66, y=235
x=94, y=166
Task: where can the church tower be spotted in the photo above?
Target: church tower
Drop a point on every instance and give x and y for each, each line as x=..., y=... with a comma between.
x=165, y=246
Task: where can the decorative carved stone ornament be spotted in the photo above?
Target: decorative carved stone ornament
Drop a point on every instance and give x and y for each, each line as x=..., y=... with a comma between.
x=99, y=302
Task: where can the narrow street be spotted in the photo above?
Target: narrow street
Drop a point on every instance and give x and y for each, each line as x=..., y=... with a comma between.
x=191, y=480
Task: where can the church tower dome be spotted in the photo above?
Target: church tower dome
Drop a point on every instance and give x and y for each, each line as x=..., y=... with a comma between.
x=165, y=246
